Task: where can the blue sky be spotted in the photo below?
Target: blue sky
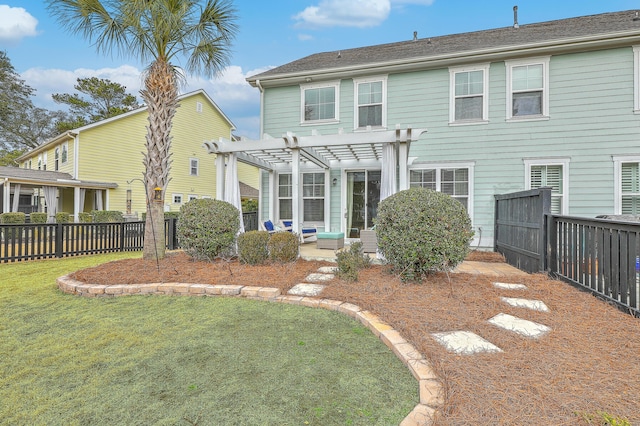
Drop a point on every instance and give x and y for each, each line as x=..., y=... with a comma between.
x=271, y=33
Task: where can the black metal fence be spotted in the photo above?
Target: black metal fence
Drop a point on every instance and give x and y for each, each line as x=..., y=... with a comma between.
x=598, y=255
x=42, y=241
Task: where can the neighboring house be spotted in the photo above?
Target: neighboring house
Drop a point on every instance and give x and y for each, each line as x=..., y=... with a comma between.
x=99, y=166
x=490, y=112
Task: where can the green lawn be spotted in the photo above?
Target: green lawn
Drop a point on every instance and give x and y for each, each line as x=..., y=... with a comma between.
x=165, y=360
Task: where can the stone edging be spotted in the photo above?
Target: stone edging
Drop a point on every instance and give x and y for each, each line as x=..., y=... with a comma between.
x=431, y=397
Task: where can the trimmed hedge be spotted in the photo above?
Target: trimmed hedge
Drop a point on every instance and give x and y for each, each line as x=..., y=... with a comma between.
x=252, y=247
x=13, y=218
x=421, y=231
x=105, y=216
x=85, y=217
x=207, y=228
x=283, y=246
x=38, y=217
x=62, y=217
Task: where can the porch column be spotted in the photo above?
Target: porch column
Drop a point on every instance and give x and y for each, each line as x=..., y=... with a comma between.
x=273, y=196
x=6, y=197
x=403, y=168
x=295, y=188
x=76, y=204
x=220, y=176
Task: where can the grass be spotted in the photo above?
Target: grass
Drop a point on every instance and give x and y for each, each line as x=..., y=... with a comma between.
x=185, y=360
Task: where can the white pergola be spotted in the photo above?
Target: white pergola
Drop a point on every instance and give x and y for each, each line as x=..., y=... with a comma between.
x=290, y=153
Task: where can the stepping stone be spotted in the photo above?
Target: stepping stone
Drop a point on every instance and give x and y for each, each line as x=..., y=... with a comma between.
x=464, y=342
x=508, y=286
x=306, y=290
x=536, y=305
x=315, y=278
x=520, y=326
x=328, y=269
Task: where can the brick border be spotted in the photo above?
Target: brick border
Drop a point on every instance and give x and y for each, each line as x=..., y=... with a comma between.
x=430, y=389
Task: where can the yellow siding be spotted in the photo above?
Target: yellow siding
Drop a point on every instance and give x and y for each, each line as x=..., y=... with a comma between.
x=113, y=153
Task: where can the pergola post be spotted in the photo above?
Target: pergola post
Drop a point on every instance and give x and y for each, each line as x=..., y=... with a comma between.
x=220, y=176
x=295, y=188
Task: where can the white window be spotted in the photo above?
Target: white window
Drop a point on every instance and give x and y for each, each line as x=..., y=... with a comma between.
x=198, y=106
x=64, y=156
x=627, y=185
x=44, y=161
x=313, y=197
x=552, y=173
x=177, y=198
x=453, y=179
x=40, y=162
x=193, y=163
x=469, y=94
x=192, y=197
x=371, y=97
x=319, y=103
x=528, y=91
x=285, y=197
x=636, y=78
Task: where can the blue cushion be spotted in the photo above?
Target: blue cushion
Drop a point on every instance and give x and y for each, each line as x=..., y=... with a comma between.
x=308, y=230
x=287, y=223
x=268, y=225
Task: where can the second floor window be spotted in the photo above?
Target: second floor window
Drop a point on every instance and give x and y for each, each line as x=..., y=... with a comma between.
x=528, y=92
x=469, y=97
x=64, y=156
x=319, y=103
x=370, y=103
x=56, y=159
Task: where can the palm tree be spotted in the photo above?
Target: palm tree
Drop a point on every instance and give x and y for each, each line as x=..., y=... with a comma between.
x=160, y=32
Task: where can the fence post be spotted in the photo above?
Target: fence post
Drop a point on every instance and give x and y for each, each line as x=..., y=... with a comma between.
x=59, y=240
x=122, y=238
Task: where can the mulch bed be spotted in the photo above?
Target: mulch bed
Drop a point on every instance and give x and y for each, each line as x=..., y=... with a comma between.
x=588, y=363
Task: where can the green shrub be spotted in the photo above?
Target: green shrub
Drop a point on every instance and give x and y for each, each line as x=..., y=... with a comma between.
x=85, y=217
x=252, y=247
x=62, y=217
x=249, y=205
x=13, y=218
x=38, y=217
x=283, y=247
x=421, y=231
x=107, y=216
x=351, y=261
x=207, y=228
x=602, y=418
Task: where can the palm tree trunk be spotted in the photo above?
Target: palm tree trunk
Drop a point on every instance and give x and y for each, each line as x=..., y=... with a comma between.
x=161, y=96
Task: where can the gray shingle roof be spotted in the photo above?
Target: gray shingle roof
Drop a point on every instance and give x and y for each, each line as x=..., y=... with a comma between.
x=48, y=177
x=559, y=31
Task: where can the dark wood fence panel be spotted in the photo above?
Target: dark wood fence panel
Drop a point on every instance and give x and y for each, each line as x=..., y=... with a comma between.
x=519, y=229
x=602, y=256
x=250, y=220
x=40, y=241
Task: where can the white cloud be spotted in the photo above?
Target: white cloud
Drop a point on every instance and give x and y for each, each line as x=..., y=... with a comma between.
x=16, y=23
x=305, y=37
x=338, y=13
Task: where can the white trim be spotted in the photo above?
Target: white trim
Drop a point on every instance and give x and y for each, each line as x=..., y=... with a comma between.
x=191, y=197
x=617, y=180
x=485, y=93
x=509, y=65
x=323, y=85
x=372, y=79
x=550, y=161
x=636, y=79
x=173, y=198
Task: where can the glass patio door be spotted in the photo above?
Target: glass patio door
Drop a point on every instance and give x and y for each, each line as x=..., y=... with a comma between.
x=363, y=196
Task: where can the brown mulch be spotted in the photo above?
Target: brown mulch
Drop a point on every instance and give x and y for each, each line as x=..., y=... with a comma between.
x=588, y=363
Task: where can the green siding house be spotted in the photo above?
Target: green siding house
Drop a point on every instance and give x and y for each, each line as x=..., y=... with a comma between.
x=472, y=115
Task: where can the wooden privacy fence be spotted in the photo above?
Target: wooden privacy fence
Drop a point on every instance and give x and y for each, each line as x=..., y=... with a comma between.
x=598, y=255
x=519, y=228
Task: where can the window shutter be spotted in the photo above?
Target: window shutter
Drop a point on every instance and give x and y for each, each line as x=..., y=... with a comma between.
x=630, y=182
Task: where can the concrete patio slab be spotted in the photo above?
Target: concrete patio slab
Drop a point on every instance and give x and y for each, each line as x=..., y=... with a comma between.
x=518, y=325
x=464, y=342
x=536, y=305
x=306, y=290
x=508, y=286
